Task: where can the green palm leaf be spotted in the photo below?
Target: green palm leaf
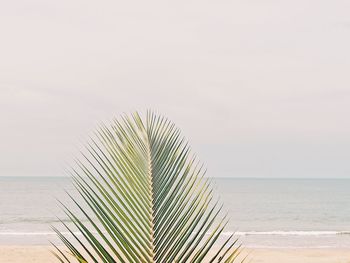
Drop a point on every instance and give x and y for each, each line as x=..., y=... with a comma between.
x=145, y=199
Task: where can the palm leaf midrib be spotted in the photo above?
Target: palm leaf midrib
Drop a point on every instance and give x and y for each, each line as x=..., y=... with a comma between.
x=157, y=197
x=151, y=193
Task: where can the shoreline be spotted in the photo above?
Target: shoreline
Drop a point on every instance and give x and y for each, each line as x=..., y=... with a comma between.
x=39, y=253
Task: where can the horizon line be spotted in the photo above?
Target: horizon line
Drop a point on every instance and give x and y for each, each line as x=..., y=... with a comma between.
x=215, y=177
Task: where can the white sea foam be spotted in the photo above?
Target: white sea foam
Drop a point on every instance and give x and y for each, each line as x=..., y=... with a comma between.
x=238, y=233
x=35, y=233
x=287, y=233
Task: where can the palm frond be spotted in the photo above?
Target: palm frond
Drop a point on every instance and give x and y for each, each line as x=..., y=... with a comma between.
x=144, y=198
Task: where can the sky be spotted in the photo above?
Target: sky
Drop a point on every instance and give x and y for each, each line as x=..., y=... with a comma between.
x=260, y=88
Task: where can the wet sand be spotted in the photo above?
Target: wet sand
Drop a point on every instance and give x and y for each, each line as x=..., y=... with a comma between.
x=39, y=254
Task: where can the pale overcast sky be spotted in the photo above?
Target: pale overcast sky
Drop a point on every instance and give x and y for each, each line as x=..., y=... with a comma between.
x=261, y=88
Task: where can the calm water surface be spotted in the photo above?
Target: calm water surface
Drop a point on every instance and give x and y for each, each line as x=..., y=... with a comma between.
x=263, y=212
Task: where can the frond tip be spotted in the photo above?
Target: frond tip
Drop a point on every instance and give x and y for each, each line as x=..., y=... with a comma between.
x=143, y=197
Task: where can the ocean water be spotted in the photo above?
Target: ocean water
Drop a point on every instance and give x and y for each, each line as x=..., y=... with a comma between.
x=312, y=213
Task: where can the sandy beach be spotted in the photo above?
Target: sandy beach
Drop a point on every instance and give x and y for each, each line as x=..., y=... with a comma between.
x=38, y=254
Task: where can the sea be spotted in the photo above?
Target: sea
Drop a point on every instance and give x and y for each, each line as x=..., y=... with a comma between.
x=263, y=213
